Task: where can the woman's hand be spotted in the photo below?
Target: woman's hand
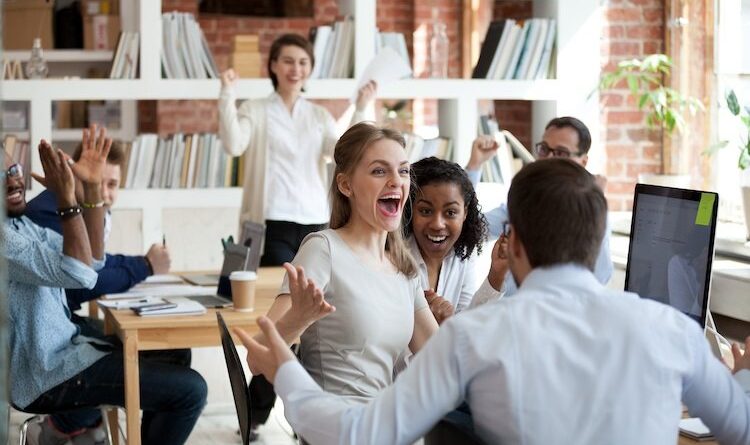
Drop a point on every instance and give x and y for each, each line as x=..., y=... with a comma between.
x=228, y=78
x=266, y=358
x=90, y=166
x=58, y=176
x=366, y=94
x=499, y=265
x=441, y=308
x=308, y=304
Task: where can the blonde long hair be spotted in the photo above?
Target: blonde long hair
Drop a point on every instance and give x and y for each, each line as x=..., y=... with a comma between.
x=348, y=152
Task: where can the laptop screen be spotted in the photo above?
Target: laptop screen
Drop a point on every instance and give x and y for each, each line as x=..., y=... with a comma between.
x=671, y=247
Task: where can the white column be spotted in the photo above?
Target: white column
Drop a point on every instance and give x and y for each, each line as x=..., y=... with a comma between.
x=40, y=127
x=149, y=12
x=457, y=119
x=364, y=34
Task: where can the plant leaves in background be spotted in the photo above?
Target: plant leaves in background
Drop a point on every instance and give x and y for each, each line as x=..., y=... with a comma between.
x=733, y=103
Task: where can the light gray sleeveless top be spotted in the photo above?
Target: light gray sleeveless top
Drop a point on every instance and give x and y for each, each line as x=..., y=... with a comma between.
x=352, y=351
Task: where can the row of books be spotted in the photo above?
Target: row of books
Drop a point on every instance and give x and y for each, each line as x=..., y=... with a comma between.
x=522, y=49
x=334, y=50
x=419, y=148
x=179, y=161
x=185, y=53
x=125, y=60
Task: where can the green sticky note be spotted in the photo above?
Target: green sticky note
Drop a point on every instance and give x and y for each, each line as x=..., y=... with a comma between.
x=705, y=209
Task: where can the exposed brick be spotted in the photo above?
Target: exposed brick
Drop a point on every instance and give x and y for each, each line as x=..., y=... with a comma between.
x=623, y=15
x=644, y=32
x=624, y=117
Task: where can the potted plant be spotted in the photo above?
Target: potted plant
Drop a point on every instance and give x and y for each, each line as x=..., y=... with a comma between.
x=743, y=157
x=665, y=107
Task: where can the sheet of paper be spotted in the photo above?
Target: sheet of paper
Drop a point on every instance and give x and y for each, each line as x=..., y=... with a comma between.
x=163, y=279
x=385, y=67
x=162, y=290
x=128, y=303
x=184, y=307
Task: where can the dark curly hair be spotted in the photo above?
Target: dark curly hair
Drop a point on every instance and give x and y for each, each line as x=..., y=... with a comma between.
x=433, y=170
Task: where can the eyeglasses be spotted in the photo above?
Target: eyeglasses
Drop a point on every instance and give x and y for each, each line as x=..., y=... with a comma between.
x=542, y=150
x=14, y=171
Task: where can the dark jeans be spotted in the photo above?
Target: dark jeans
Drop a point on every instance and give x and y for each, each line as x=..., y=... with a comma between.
x=172, y=396
x=283, y=239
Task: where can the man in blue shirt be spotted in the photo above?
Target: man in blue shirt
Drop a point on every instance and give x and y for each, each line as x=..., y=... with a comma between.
x=564, y=137
x=53, y=368
x=120, y=272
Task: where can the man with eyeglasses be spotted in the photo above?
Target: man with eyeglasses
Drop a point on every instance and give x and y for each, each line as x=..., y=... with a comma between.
x=54, y=368
x=564, y=137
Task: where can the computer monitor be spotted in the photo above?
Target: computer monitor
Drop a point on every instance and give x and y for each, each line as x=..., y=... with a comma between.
x=672, y=246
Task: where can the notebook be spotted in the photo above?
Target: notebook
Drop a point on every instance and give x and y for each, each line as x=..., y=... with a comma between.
x=182, y=306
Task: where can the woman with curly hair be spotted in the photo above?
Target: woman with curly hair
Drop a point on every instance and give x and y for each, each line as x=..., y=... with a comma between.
x=445, y=226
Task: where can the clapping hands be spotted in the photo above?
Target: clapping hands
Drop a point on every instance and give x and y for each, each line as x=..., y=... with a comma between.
x=308, y=303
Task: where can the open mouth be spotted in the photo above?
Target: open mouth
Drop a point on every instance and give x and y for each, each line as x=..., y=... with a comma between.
x=389, y=204
x=14, y=196
x=437, y=240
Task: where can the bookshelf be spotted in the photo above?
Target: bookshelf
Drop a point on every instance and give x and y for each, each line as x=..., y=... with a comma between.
x=577, y=68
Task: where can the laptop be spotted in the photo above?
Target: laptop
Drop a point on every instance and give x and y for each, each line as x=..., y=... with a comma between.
x=672, y=247
x=237, y=380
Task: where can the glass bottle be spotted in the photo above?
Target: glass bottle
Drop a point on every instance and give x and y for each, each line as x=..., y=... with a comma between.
x=36, y=67
x=438, y=51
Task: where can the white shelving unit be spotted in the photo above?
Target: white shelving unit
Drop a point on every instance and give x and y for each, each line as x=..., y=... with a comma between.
x=571, y=93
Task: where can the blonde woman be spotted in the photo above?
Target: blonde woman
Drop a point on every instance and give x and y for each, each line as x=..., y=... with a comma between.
x=353, y=295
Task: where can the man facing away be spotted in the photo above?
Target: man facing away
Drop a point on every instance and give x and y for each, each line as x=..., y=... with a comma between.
x=568, y=361
x=53, y=367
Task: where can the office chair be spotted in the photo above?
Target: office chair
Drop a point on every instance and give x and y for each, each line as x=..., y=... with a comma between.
x=24, y=428
x=237, y=380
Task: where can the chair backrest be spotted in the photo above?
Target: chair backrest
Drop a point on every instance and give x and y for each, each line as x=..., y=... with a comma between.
x=237, y=380
x=446, y=432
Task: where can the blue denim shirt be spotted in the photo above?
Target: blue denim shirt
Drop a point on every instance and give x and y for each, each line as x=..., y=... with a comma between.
x=45, y=346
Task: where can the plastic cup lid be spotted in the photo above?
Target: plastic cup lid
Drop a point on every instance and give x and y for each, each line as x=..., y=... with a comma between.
x=243, y=275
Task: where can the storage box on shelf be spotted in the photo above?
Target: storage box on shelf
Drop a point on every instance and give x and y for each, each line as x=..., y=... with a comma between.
x=577, y=68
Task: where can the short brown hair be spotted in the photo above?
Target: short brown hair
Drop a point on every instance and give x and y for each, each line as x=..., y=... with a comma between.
x=558, y=212
x=348, y=152
x=281, y=42
x=116, y=154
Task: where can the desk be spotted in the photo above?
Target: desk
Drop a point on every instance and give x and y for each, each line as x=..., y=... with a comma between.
x=149, y=333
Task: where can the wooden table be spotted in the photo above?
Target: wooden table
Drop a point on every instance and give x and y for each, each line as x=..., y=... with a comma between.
x=177, y=332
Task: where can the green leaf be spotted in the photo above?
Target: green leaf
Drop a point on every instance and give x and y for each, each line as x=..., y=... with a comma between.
x=745, y=120
x=733, y=103
x=744, y=160
x=633, y=85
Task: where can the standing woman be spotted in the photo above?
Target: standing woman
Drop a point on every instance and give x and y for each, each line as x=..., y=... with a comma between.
x=286, y=141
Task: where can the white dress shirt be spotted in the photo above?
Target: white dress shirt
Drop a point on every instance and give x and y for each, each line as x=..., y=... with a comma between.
x=295, y=144
x=569, y=362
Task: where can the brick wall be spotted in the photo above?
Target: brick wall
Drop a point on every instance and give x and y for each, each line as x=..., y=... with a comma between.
x=631, y=28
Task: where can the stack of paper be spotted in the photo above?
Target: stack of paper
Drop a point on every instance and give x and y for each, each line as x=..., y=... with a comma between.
x=161, y=290
x=184, y=307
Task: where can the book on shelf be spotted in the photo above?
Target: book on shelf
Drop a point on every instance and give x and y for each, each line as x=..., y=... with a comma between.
x=397, y=42
x=419, y=148
x=501, y=167
x=334, y=50
x=125, y=58
x=179, y=161
x=517, y=49
x=185, y=52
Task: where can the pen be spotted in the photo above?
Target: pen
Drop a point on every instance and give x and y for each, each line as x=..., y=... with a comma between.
x=163, y=240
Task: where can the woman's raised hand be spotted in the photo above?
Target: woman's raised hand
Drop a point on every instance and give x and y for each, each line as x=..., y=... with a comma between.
x=228, y=78
x=308, y=302
x=366, y=94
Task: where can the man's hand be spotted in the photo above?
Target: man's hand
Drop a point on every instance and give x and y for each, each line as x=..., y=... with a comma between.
x=158, y=257
x=90, y=167
x=499, y=265
x=308, y=304
x=366, y=94
x=266, y=359
x=441, y=308
x=741, y=360
x=229, y=78
x=58, y=176
x=482, y=149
